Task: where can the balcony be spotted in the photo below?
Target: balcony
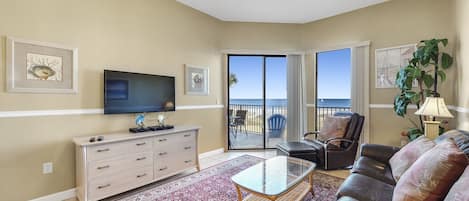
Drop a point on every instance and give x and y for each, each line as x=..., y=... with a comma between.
x=250, y=135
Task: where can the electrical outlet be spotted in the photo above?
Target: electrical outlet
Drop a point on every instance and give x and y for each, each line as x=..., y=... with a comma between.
x=47, y=168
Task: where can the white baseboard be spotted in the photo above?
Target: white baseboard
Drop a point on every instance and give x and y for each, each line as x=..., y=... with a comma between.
x=60, y=196
x=71, y=193
x=211, y=153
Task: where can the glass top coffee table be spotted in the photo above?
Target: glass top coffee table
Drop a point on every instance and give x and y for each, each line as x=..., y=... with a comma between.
x=278, y=178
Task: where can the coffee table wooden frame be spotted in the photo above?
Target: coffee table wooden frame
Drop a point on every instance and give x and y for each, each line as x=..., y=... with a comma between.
x=257, y=195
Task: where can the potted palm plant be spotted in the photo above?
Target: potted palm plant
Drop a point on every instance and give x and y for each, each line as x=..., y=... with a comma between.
x=426, y=68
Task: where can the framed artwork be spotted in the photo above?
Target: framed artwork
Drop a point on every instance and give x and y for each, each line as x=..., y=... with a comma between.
x=39, y=67
x=388, y=62
x=197, y=80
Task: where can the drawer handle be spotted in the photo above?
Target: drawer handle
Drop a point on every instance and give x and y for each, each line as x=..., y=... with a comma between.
x=187, y=135
x=163, y=153
x=188, y=161
x=103, y=167
x=103, y=150
x=141, y=144
x=142, y=158
x=186, y=148
x=162, y=140
x=141, y=175
x=104, y=186
x=161, y=169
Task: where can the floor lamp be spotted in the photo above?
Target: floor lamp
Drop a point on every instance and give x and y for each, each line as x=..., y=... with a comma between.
x=433, y=107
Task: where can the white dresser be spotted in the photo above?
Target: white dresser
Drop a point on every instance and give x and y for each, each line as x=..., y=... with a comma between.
x=124, y=161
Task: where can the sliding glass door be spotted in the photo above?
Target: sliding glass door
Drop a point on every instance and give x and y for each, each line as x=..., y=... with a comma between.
x=276, y=100
x=256, y=101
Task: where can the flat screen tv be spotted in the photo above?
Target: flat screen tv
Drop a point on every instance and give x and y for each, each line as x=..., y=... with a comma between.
x=126, y=92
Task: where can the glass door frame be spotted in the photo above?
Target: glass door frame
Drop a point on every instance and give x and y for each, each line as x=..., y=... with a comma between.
x=264, y=56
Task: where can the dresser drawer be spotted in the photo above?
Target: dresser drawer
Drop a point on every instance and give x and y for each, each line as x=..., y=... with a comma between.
x=173, y=163
x=187, y=147
x=119, y=164
x=107, y=151
x=172, y=151
x=171, y=142
x=186, y=162
x=102, y=187
x=187, y=137
x=164, y=168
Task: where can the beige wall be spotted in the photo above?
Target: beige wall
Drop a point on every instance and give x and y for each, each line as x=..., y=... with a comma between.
x=159, y=36
x=146, y=36
x=260, y=36
x=462, y=62
x=397, y=22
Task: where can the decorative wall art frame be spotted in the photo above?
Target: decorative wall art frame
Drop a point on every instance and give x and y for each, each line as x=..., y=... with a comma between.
x=40, y=67
x=197, y=80
x=388, y=62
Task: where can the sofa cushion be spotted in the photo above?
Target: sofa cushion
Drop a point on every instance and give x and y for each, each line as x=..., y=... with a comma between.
x=334, y=127
x=461, y=137
x=404, y=158
x=364, y=188
x=459, y=190
x=432, y=175
x=373, y=168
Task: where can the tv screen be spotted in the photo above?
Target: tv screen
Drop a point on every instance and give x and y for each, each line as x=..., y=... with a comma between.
x=126, y=92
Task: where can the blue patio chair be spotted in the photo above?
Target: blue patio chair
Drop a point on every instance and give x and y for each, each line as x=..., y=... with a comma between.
x=276, y=125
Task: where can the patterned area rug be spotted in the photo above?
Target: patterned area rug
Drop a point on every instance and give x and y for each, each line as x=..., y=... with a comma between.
x=214, y=184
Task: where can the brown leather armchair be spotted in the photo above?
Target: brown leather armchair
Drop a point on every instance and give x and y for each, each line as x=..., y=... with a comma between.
x=324, y=153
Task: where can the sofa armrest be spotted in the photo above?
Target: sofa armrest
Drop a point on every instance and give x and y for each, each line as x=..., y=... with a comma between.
x=381, y=153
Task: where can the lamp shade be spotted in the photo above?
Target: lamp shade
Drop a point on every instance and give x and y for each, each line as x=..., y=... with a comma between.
x=435, y=107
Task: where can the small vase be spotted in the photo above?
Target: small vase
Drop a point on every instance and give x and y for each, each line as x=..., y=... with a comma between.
x=404, y=140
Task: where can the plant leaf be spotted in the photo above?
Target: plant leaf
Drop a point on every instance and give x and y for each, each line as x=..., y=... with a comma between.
x=444, y=41
x=428, y=80
x=400, y=105
x=446, y=60
x=442, y=75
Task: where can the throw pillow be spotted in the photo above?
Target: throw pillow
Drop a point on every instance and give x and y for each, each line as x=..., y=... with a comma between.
x=459, y=190
x=333, y=127
x=404, y=158
x=432, y=175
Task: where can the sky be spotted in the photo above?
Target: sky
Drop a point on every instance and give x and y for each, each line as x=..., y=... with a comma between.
x=333, y=76
x=248, y=70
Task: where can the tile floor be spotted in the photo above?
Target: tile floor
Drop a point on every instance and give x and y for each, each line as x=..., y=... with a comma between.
x=215, y=159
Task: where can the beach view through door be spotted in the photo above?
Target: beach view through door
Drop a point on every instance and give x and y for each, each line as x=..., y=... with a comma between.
x=257, y=102
x=333, y=81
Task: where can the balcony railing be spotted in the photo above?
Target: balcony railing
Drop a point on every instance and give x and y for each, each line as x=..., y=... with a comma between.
x=324, y=112
x=254, y=115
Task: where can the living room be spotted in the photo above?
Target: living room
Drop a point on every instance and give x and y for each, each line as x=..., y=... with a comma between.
x=40, y=127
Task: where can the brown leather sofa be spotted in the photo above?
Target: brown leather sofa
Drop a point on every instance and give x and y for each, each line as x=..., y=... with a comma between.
x=371, y=178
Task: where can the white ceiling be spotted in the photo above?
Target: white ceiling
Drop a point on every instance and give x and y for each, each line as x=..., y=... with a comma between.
x=276, y=11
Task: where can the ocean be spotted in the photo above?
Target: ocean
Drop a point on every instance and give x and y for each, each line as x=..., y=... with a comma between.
x=283, y=102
